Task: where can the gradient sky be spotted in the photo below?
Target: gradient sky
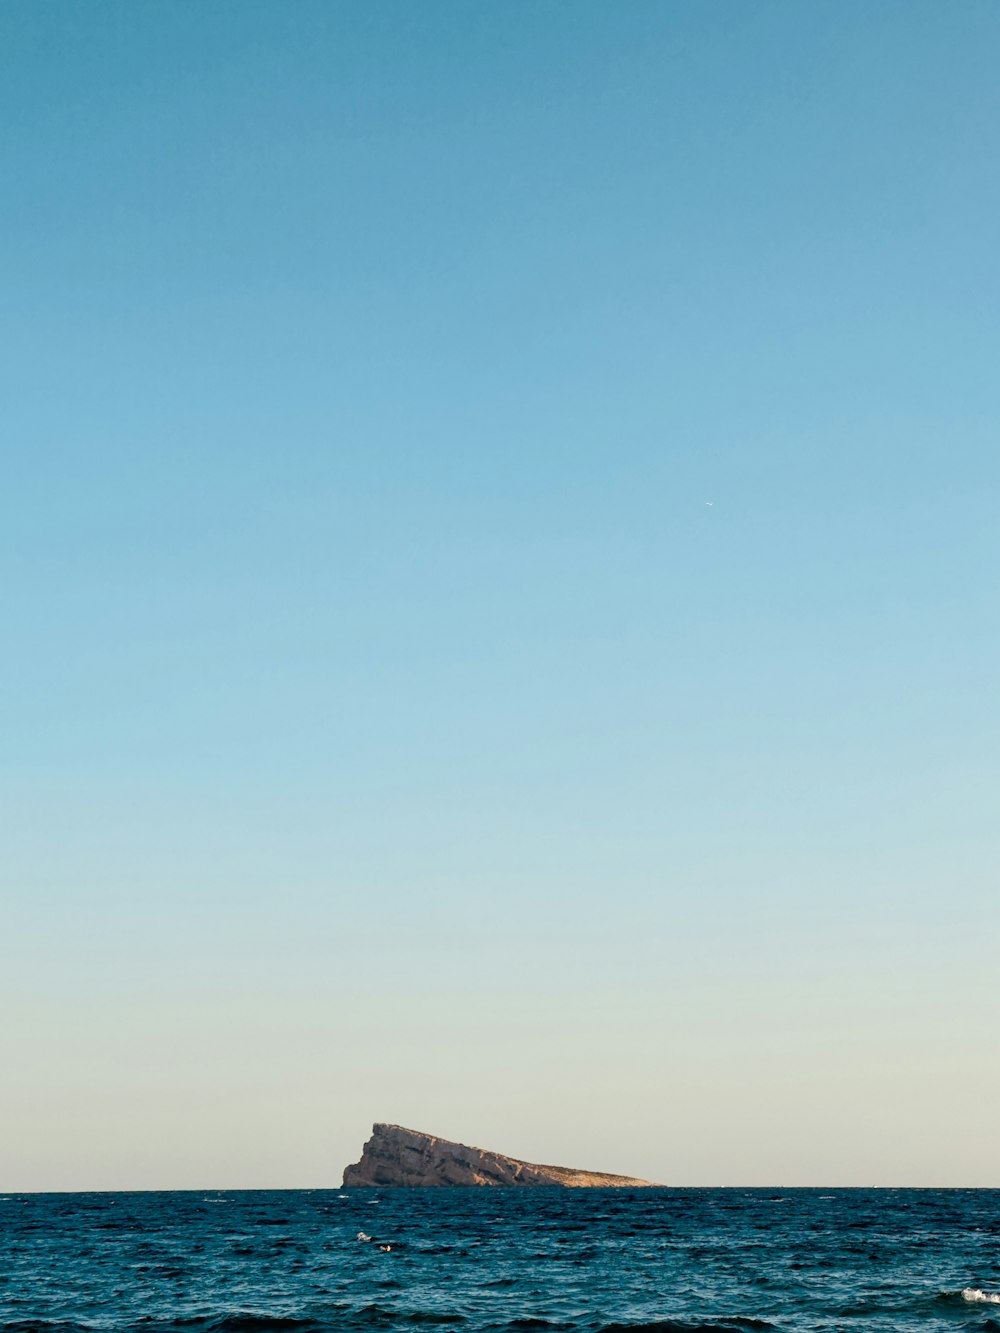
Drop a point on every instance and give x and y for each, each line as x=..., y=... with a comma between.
x=389, y=726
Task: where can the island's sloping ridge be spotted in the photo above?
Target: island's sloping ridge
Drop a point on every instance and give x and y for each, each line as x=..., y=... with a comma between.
x=396, y=1156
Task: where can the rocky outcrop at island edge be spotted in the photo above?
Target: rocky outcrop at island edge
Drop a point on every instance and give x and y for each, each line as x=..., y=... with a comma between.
x=396, y=1156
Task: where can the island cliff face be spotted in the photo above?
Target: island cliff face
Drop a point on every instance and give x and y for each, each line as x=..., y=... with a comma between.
x=397, y=1156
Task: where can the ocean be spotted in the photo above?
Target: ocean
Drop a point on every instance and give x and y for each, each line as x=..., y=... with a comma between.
x=662, y=1260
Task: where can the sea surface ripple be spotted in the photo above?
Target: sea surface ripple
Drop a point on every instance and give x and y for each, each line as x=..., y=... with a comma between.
x=661, y=1261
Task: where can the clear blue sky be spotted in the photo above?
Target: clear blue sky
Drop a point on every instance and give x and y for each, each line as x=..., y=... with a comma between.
x=391, y=728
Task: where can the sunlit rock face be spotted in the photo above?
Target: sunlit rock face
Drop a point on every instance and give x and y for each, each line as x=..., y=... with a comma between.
x=397, y=1156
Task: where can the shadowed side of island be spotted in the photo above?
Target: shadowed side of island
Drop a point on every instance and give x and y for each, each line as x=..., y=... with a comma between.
x=396, y=1156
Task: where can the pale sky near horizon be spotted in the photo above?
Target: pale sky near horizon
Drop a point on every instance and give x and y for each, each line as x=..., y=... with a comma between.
x=499, y=548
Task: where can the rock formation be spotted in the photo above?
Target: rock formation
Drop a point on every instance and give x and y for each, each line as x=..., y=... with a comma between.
x=397, y=1156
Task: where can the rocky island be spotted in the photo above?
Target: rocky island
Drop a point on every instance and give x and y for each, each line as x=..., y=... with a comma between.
x=397, y=1156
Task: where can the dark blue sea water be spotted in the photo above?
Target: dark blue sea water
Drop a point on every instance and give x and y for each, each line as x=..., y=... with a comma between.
x=535, y=1259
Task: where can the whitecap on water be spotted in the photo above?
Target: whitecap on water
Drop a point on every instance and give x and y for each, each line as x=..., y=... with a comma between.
x=981, y=1297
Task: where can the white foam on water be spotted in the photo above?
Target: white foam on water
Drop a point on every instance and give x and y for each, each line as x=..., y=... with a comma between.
x=981, y=1297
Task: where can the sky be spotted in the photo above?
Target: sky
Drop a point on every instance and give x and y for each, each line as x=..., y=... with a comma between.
x=499, y=553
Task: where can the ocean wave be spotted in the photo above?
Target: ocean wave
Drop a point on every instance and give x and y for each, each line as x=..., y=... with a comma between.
x=309, y=1321
x=379, y=1315
x=317, y=1320
x=433, y=1317
x=42, y=1326
x=967, y=1296
x=728, y=1324
x=243, y=1321
x=533, y=1321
